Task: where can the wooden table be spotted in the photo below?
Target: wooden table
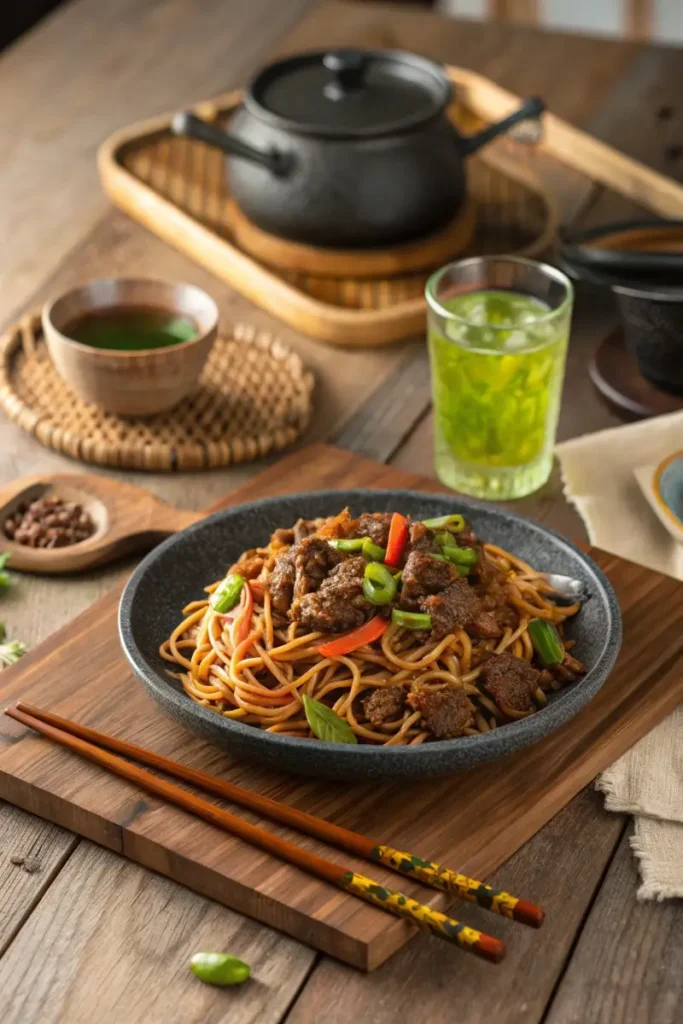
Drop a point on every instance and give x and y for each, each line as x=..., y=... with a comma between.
x=84, y=932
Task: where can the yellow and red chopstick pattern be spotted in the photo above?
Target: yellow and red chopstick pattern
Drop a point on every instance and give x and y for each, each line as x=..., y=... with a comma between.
x=452, y=882
x=432, y=920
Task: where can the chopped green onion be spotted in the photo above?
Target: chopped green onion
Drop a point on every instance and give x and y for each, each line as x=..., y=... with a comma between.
x=547, y=642
x=438, y=558
x=398, y=575
x=348, y=543
x=444, y=539
x=227, y=594
x=454, y=523
x=464, y=570
x=379, y=586
x=461, y=556
x=372, y=552
x=411, y=620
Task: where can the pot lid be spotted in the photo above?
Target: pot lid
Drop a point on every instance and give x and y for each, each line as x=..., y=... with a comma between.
x=349, y=93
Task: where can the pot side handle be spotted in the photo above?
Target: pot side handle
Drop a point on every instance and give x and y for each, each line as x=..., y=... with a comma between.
x=530, y=109
x=193, y=127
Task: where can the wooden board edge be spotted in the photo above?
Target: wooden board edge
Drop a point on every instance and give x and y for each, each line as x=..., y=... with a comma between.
x=86, y=824
x=364, y=955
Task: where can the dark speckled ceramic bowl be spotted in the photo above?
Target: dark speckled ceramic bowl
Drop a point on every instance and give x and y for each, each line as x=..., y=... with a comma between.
x=175, y=573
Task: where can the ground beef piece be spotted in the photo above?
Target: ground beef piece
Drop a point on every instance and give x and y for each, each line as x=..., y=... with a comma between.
x=334, y=527
x=458, y=607
x=283, y=538
x=446, y=713
x=384, y=704
x=374, y=525
x=421, y=538
x=300, y=571
x=424, y=575
x=452, y=609
x=485, y=625
x=305, y=528
x=313, y=560
x=485, y=571
x=338, y=605
x=250, y=564
x=510, y=681
x=281, y=583
x=466, y=538
x=494, y=600
x=491, y=586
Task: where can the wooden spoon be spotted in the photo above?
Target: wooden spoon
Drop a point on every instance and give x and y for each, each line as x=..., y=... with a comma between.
x=126, y=519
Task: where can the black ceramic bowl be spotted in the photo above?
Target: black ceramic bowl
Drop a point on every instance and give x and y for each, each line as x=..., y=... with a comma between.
x=175, y=573
x=649, y=303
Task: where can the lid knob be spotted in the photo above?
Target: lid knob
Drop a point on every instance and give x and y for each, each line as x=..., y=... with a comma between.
x=348, y=68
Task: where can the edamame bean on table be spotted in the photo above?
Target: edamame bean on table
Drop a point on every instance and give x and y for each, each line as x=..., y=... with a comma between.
x=219, y=969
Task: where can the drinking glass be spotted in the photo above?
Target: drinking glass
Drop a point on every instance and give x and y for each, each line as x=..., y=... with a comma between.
x=497, y=331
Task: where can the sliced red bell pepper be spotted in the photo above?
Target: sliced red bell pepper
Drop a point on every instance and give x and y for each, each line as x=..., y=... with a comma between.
x=365, y=634
x=398, y=538
x=242, y=623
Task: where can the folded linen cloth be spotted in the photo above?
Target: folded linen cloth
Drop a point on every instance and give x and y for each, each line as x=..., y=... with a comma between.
x=647, y=781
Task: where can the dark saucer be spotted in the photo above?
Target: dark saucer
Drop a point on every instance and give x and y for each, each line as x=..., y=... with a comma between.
x=615, y=373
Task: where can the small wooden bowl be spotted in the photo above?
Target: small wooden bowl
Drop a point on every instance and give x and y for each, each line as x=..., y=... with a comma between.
x=135, y=383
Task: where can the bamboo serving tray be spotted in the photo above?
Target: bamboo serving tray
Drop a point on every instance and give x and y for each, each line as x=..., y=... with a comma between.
x=472, y=821
x=177, y=189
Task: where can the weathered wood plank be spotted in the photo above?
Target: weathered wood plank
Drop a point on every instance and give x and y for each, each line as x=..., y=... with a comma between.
x=627, y=964
x=112, y=941
x=32, y=852
x=390, y=413
x=426, y=982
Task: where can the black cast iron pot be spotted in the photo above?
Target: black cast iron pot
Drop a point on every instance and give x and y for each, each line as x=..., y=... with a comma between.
x=352, y=149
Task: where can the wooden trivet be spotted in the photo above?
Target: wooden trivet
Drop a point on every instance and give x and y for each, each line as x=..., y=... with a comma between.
x=616, y=375
x=392, y=261
x=254, y=398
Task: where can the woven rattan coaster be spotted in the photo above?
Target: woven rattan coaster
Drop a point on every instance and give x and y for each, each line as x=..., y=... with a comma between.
x=254, y=398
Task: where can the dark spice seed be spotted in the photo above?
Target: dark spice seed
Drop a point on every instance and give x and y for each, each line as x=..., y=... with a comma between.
x=49, y=523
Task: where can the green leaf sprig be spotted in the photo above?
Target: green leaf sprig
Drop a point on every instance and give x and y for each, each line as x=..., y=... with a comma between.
x=326, y=724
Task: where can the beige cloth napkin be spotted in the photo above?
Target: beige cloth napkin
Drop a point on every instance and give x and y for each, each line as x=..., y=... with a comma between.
x=647, y=781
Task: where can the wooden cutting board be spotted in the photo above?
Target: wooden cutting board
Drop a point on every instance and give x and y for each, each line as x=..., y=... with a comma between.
x=472, y=821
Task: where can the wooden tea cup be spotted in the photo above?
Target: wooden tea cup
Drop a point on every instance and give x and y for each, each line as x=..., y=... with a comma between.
x=131, y=383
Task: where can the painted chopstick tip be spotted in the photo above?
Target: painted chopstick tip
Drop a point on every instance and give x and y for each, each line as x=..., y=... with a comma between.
x=528, y=913
x=490, y=949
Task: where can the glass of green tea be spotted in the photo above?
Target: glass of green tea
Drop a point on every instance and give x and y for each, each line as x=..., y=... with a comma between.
x=497, y=330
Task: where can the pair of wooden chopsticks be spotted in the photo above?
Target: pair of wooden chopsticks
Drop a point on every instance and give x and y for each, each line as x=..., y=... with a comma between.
x=89, y=743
